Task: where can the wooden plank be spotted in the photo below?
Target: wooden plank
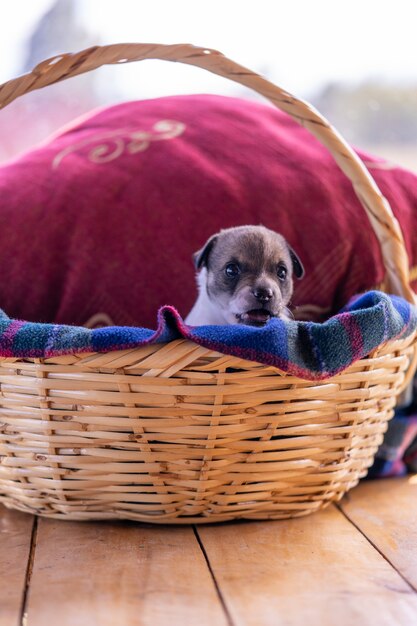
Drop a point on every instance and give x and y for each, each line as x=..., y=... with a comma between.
x=317, y=570
x=99, y=574
x=386, y=512
x=15, y=544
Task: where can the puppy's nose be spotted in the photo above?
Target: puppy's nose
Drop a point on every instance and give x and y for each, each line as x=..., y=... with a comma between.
x=263, y=294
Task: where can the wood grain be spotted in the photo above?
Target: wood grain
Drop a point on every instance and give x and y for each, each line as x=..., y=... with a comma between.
x=314, y=570
x=15, y=543
x=124, y=574
x=386, y=512
x=318, y=570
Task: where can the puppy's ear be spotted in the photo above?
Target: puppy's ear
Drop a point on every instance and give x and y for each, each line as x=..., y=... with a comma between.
x=201, y=256
x=296, y=264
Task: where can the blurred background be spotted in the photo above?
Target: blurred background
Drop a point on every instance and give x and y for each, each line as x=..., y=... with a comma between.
x=355, y=61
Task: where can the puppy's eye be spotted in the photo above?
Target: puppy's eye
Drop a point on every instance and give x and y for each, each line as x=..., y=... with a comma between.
x=232, y=270
x=282, y=272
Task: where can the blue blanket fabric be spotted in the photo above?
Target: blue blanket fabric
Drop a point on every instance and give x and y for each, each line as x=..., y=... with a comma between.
x=397, y=455
x=306, y=349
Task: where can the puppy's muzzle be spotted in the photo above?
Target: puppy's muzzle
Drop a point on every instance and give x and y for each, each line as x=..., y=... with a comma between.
x=263, y=294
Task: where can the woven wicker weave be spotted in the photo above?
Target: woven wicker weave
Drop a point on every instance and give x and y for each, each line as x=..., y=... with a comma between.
x=177, y=433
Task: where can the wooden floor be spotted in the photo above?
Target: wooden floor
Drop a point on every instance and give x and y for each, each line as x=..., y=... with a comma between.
x=352, y=564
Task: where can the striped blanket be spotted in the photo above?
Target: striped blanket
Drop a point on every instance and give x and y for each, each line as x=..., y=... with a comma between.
x=309, y=350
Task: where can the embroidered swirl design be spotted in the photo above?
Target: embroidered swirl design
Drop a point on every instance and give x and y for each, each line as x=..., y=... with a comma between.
x=111, y=145
x=99, y=320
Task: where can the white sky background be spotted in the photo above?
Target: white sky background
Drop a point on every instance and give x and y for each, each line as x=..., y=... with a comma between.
x=299, y=44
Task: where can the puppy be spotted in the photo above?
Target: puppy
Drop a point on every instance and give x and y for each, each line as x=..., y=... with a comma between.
x=244, y=277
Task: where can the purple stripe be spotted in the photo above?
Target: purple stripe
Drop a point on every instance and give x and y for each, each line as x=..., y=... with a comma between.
x=354, y=333
x=8, y=336
x=49, y=348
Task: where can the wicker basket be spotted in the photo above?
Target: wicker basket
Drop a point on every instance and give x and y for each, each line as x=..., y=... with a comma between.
x=177, y=433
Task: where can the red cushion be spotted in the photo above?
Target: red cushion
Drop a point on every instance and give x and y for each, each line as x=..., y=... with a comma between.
x=104, y=218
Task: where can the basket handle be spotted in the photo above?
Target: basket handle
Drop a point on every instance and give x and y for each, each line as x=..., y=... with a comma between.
x=383, y=221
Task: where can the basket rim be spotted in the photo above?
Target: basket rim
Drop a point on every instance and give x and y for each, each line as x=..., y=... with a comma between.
x=280, y=343
x=127, y=357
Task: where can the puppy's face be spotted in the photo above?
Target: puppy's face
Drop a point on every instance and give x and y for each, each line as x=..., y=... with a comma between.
x=248, y=273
